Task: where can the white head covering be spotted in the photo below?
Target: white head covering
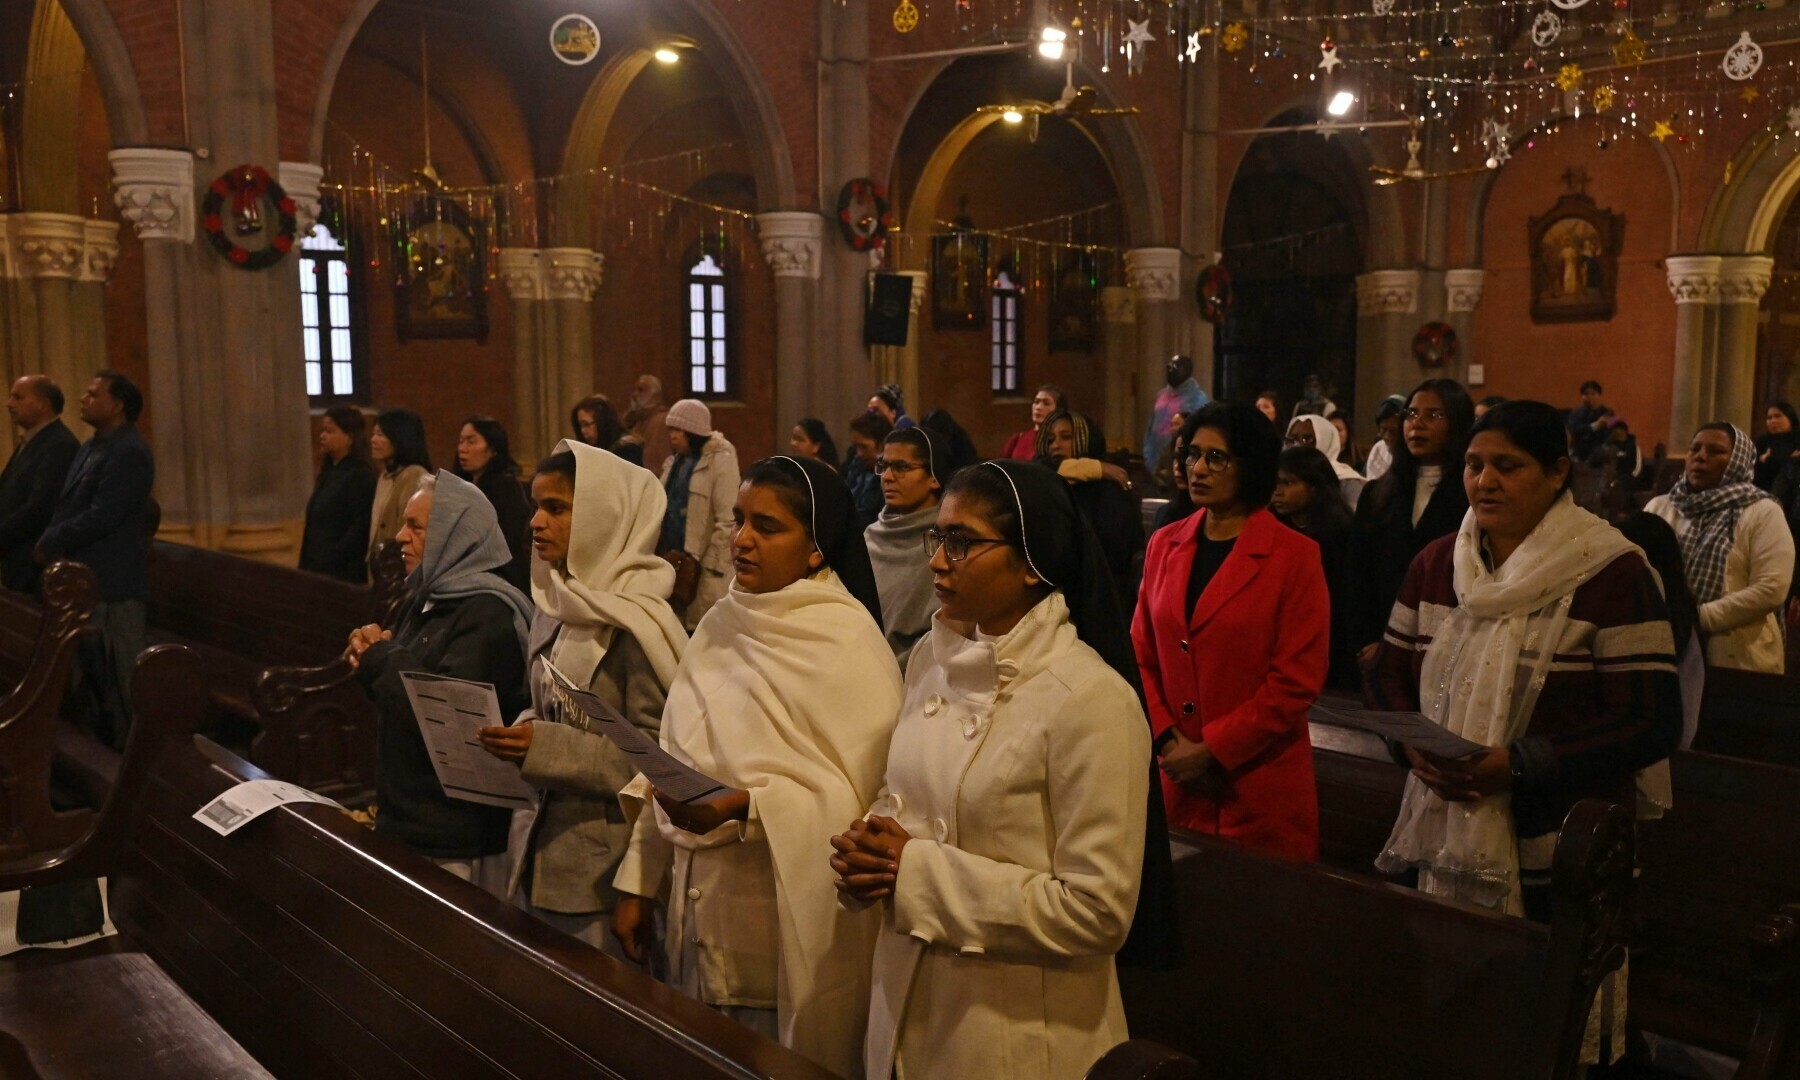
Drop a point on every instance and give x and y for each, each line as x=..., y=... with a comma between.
x=1325, y=434
x=614, y=577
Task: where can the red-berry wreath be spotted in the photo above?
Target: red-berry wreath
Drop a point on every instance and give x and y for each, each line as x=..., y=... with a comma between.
x=1212, y=291
x=863, y=217
x=247, y=185
x=1435, y=344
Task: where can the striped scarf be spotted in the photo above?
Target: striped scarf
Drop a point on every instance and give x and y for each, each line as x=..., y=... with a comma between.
x=1712, y=519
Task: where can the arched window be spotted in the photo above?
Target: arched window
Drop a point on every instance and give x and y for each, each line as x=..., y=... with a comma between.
x=1004, y=325
x=711, y=363
x=334, y=368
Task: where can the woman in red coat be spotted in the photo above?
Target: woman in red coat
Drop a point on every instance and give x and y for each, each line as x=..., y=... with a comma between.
x=1232, y=635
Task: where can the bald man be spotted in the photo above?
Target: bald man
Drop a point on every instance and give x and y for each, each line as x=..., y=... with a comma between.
x=33, y=478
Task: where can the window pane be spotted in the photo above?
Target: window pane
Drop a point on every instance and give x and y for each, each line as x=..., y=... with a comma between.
x=309, y=344
x=718, y=353
x=696, y=297
x=706, y=267
x=309, y=309
x=340, y=276
x=718, y=298
x=340, y=310
x=718, y=325
x=718, y=380
x=309, y=279
x=340, y=344
x=313, y=389
x=697, y=380
x=697, y=325
x=342, y=379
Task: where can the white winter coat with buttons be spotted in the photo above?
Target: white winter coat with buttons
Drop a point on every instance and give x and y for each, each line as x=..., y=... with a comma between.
x=1020, y=768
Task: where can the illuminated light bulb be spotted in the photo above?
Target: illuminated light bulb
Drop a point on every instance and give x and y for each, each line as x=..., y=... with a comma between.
x=1341, y=103
x=1012, y=116
x=666, y=55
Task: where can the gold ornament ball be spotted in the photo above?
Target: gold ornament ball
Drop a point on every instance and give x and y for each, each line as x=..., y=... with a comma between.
x=1424, y=52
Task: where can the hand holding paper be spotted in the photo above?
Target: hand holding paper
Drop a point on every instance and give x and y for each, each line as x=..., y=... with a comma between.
x=671, y=776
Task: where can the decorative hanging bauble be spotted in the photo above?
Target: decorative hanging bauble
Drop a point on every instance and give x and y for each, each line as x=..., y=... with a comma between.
x=863, y=216
x=1569, y=5
x=1629, y=49
x=1569, y=77
x=1435, y=345
x=248, y=187
x=906, y=17
x=1212, y=291
x=1234, y=37
x=1743, y=60
x=1603, y=98
x=1546, y=28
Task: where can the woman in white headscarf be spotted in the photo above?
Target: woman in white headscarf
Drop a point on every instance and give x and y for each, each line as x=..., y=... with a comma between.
x=604, y=621
x=1320, y=434
x=1736, y=547
x=788, y=695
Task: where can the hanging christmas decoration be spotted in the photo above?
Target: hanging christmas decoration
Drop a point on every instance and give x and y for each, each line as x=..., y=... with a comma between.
x=1661, y=131
x=1629, y=49
x=1193, y=47
x=1137, y=44
x=1234, y=37
x=1328, y=57
x=863, y=215
x=1743, y=60
x=1435, y=345
x=1212, y=291
x=1545, y=28
x=248, y=186
x=1384, y=7
x=1603, y=98
x=1749, y=94
x=1568, y=77
x=906, y=17
x=1498, y=138
x=1793, y=119
x=1569, y=5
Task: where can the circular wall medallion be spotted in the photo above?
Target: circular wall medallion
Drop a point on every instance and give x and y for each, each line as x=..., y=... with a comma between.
x=575, y=39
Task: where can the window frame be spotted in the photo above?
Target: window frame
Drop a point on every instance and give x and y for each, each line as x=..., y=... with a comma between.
x=727, y=281
x=1000, y=321
x=357, y=310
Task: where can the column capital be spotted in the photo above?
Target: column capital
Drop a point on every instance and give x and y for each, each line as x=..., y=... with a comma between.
x=1154, y=272
x=154, y=191
x=42, y=245
x=1116, y=305
x=1694, y=279
x=521, y=270
x=572, y=273
x=1744, y=278
x=300, y=179
x=1387, y=292
x=791, y=242
x=101, y=252
x=1462, y=289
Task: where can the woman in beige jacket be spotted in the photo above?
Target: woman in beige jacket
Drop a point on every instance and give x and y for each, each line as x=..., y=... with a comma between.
x=397, y=446
x=701, y=481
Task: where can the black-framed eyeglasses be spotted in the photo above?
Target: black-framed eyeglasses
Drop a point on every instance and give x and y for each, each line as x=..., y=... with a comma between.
x=1311, y=440
x=901, y=468
x=956, y=545
x=1216, y=460
x=1433, y=415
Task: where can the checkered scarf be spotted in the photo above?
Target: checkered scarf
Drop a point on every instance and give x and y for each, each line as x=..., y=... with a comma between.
x=1712, y=519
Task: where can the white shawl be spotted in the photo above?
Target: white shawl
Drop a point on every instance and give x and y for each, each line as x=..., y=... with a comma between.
x=614, y=577
x=793, y=696
x=1325, y=434
x=1481, y=678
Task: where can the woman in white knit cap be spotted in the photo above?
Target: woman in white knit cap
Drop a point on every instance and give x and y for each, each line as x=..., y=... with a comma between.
x=701, y=481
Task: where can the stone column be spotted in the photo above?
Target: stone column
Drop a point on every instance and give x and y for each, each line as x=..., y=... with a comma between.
x=1118, y=319
x=1694, y=284
x=840, y=381
x=1462, y=295
x=553, y=366
x=53, y=273
x=900, y=364
x=791, y=242
x=1154, y=275
x=1387, y=314
x=1742, y=281
x=1200, y=192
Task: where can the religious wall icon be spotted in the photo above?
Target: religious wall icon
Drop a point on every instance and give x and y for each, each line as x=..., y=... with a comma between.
x=439, y=284
x=959, y=266
x=1575, y=257
x=574, y=39
x=1074, y=301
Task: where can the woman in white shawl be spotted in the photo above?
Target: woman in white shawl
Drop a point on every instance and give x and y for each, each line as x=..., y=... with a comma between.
x=1322, y=435
x=604, y=621
x=913, y=467
x=788, y=695
x=1539, y=631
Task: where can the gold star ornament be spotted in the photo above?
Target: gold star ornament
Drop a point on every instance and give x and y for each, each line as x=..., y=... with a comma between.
x=1569, y=77
x=1603, y=98
x=1661, y=131
x=1629, y=49
x=1749, y=94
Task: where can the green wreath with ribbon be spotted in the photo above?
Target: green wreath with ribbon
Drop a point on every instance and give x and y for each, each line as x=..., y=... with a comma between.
x=1212, y=291
x=1435, y=345
x=863, y=214
x=246, y=186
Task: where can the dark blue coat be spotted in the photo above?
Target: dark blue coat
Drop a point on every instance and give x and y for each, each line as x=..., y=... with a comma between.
x=29, y=488
x=100, y=518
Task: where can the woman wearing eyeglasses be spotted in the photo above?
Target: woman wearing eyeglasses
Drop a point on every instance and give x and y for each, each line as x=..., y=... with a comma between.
x=1233, y=636
x=1418, y=500
x=1010, y=839
x=912, y=468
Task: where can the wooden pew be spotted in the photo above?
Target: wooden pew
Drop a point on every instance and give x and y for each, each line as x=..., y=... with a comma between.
x=306, y=945
x=38, y=640
x=1296, y=971
x=1747, y=714
x=272, y=638
x=1713, y=871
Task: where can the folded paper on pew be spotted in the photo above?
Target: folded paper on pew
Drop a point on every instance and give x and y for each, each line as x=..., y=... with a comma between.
x=237, y=807
x=1408, y=728
x=671, y=776
x=451, y=714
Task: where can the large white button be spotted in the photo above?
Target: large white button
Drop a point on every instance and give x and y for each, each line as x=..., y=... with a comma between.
x=1008, y=669
x=940, y=829
x=933, y=704
x=971, y=950
x=693, y=894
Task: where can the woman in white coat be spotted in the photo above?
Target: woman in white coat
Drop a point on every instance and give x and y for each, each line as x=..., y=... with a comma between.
x=1736, y=547
x=1011, y=835
x=787, y=695
x=700, y=480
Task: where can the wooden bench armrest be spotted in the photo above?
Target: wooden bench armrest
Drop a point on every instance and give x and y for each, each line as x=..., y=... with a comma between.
x=168, y=698
x=1591, y=877
x=279, y=689
x=1144, y=1059
x=69, y=592
x=1774, y=977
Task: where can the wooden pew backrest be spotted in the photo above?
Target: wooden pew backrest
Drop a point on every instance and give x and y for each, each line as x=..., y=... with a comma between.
x=41, y=635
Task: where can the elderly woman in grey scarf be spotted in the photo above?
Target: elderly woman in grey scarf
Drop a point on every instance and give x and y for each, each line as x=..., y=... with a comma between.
x=913, y=468
x=460, y=620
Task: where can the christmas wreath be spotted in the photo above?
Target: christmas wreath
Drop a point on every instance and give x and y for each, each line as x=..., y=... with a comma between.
x=863, y=217
x=1212, y=291
x=1435, y=344
x=247, y=186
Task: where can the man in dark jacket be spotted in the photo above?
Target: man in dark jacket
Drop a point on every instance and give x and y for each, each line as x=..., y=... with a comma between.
x=100, y=521
x=33, y=478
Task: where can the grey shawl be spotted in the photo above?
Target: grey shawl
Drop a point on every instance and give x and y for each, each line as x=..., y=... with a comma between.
x=896, y=545
x=464, y=548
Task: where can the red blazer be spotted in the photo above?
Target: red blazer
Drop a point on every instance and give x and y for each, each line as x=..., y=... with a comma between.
x=1238, y=673
x=1021, y=447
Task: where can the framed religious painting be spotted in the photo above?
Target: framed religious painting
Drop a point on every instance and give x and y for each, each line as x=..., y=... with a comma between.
x=1074, y=301
x=440, y=273
x=1575, y=258
x=959, y=270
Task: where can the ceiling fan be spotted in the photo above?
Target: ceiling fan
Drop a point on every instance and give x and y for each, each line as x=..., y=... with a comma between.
x=1413, y=170
x=1074, y=102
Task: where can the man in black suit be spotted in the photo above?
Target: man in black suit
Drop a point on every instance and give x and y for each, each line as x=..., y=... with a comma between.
x=33, y=478
x=100, y=521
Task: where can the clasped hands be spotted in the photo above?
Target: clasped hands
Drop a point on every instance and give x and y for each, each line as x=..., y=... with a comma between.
x=361, y=638
x=1467, y=780
x=1192, y=765
x=868, y=857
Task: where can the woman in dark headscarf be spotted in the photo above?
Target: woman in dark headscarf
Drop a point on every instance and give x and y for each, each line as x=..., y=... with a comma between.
x=787, y=695
x=1779, y=442
x=962, y=448
x=1018, y=819
x=1107, y=506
